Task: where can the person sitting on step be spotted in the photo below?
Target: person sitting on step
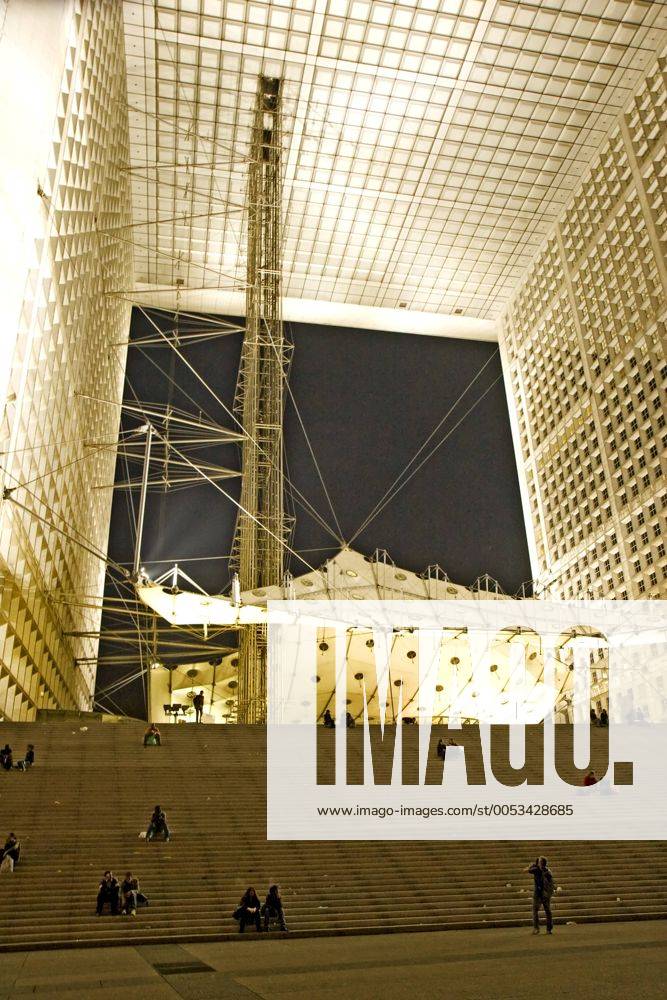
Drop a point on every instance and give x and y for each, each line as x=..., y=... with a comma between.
x=158, y=824
x=248, y=910
x=28, y=760
x=108, y=892
x=328, y=720
x=131, y=895
x=11, y=853
x=6, y=758
x=152, y=736
x=273, y=908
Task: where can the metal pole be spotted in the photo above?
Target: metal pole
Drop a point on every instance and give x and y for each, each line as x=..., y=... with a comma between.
x=215, y=669
x=142, y=501
x=151, y=668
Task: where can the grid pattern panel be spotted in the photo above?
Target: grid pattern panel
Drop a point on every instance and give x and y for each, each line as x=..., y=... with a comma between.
x=596, y=485
x=50, y=439
x=430, y=144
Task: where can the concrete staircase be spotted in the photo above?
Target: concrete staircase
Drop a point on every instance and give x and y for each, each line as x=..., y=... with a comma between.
x=80, y=810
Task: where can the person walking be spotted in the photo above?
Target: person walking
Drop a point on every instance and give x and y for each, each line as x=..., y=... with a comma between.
x=198, y=702
x=542, y=892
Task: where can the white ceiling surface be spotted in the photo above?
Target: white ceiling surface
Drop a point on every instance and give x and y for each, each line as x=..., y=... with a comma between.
x=429, y=144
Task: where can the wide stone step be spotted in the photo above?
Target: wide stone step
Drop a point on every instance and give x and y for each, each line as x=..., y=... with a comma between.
x=82, y=807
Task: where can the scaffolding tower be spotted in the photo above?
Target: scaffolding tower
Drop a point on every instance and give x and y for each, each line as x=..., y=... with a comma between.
x=262, y=527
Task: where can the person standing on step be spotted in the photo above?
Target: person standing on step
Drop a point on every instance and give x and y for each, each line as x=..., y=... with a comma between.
x=198, y=702
x=273, y=908
x=542, y=892
x=109, y=892
x=248, y=910
x=158, y=824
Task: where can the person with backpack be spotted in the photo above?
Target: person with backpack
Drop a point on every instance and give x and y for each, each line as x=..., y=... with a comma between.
x=542, y=892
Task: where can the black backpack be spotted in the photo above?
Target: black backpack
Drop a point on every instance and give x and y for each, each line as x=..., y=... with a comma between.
x=547, y=883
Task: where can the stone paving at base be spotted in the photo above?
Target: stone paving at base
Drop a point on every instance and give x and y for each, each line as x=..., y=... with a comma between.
x=609, y=961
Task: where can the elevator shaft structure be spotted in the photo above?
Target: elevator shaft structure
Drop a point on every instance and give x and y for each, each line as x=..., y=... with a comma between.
x=262, y=528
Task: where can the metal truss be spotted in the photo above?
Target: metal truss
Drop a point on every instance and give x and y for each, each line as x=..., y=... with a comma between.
x=262, y=527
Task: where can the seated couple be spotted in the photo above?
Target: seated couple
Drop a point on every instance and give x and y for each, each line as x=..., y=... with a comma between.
x=250, y=911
